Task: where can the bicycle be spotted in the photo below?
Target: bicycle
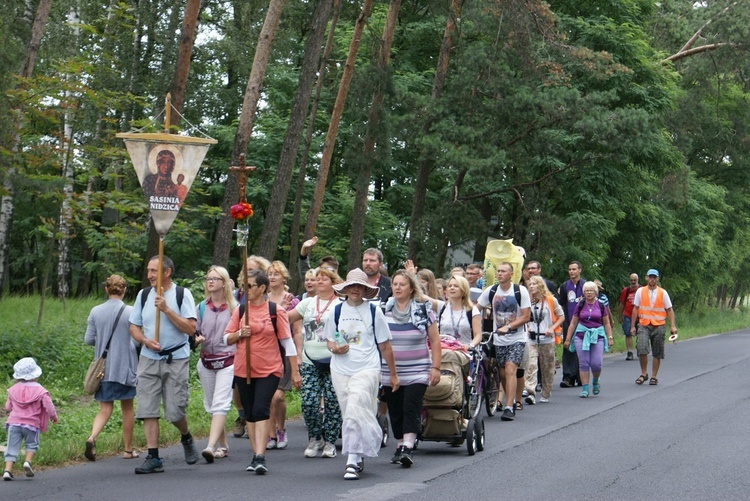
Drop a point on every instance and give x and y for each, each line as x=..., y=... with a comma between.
x=483, y=381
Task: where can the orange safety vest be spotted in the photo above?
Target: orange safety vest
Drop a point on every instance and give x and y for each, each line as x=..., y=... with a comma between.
x=551, y=303
x=654, y=314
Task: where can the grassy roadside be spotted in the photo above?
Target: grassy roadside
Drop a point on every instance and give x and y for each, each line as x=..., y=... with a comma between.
x=57, y=345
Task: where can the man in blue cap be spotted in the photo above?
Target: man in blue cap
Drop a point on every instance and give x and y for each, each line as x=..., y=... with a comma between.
x=651, y=308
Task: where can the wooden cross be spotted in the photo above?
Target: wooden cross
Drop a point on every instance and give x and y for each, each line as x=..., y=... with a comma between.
x=243, y=172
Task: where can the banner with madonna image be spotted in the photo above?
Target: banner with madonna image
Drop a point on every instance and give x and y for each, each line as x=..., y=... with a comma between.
x=166, y=166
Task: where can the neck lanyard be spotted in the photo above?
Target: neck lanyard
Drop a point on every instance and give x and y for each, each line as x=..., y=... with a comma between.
x=455, y=324
x=319, y=313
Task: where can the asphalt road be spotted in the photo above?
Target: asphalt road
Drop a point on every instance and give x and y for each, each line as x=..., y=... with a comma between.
x=685, y=439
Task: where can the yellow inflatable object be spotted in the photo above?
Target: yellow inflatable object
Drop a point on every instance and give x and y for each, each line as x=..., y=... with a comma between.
x=499, y=251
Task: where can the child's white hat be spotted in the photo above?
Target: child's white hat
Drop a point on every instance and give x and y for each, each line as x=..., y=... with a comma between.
x=26, y=369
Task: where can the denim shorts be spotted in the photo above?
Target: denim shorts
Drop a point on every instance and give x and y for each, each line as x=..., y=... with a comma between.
x=626, y=324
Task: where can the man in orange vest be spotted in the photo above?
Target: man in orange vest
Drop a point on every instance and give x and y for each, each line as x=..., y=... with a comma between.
x=651, y=308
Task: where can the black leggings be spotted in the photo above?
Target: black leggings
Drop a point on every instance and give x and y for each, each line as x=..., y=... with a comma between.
x=256, y=396
x=405, y=408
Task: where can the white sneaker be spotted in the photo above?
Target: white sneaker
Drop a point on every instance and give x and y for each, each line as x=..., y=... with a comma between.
x=543, y=400
x=281, y=439
x=28, y=469
x=313, y=447
x=329, y=450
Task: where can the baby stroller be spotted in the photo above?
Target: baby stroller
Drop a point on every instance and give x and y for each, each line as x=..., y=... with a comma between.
x=446, y=414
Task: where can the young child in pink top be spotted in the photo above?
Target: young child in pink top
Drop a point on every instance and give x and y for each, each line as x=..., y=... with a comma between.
x=31, y=409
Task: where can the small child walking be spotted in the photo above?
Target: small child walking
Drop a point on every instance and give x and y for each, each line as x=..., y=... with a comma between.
x=31, y=409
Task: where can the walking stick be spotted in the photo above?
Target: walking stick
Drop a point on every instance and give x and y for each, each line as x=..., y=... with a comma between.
x=242, y=212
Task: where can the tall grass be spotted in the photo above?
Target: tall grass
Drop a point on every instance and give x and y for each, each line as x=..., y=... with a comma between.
x=57, y=345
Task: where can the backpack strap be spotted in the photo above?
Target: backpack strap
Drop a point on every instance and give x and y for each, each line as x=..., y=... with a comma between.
x=180, y=296
x=517, y=293
x=337, y=314
x=440, y=315
x=201, y=309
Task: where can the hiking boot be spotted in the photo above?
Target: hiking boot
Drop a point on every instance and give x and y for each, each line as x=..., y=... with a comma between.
x=329, y=450
x=150, y=465
x=281, y=439
x=191, y=453
x=508, y=414
x=239, y=427
x=629, y=356
x=7, y=476
x=260, y=465
x=28, y=469
x=313, y=447
x=396, y=459
x=406, y=459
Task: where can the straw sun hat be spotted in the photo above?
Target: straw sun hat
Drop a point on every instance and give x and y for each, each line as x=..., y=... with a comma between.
x=357, y=277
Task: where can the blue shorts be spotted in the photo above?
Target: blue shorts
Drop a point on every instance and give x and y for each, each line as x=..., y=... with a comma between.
x=626, y=323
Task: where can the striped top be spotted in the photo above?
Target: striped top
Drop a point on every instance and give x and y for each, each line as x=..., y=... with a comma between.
x=410, y=351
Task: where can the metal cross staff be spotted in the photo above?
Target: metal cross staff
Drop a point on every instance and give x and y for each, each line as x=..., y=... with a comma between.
x=242, y=232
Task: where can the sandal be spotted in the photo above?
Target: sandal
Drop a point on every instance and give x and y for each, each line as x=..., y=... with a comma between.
x=653, y=381
x=90, y=452
x=130, y=454
x=221, y=452
x=641, y=379
x=518, y=406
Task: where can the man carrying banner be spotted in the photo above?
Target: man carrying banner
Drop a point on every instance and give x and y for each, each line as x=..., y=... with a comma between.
x=164, y=363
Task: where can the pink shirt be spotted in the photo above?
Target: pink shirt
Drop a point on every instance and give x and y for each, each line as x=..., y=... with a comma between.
x=29, y=405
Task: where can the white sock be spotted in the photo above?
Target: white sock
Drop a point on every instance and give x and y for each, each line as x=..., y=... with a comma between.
x=409, y=445
x=354, y=459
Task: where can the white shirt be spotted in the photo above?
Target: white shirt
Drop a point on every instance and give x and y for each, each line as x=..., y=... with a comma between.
x=355, y=326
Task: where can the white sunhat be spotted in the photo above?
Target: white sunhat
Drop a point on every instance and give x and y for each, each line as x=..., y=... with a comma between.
x=357, y=277
x=26, y=369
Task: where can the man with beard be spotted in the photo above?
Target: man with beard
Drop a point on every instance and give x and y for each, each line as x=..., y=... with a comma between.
x=372, y=260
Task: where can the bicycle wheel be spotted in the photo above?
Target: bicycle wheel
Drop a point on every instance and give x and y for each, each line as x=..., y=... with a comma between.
x=491, y=389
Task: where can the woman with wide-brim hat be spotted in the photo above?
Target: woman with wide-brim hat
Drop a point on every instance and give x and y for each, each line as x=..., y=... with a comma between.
x=357, y=338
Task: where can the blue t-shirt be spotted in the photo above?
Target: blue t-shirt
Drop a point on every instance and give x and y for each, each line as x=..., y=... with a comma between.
x=169, y=335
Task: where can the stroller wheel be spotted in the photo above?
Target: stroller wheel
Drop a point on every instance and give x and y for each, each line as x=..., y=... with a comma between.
x=470, y=441
x=479, y=433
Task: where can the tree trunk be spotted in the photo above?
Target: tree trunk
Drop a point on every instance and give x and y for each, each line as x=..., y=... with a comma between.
x=338, y=110
x=416, y=232
x=7, y=205
x=290, y=148
x=373, y=123
x=299, y=190
x=223, y=240
x=68, y=175
x=185, y=51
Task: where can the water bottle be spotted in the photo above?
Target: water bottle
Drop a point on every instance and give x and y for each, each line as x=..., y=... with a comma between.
x=339, y=339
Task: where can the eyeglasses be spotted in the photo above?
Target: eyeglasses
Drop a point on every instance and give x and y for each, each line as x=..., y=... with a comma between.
x=214, y=279
x=250, y=286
